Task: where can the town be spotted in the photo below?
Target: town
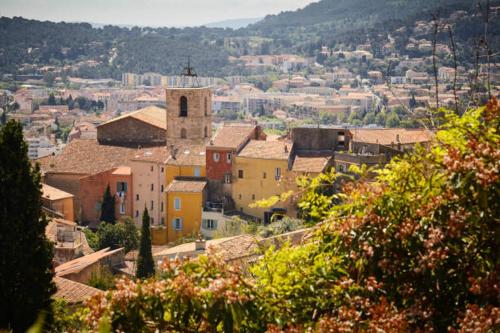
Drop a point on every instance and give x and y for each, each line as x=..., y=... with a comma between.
x=200, y=187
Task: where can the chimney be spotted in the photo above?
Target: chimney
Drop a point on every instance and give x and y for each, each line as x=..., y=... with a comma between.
x=200, y=244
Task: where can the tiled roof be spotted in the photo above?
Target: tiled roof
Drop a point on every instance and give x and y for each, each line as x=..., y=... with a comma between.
x=72, y=291
x=232, y=136
x=153, y=154
x=186, y=186
x=311, y=162
x=152, y=115
x=78, y=264
x=122, y=171
x=388, y=136
x=271, y=150
x=188, y=153
x=86, y=157
x=52, y=193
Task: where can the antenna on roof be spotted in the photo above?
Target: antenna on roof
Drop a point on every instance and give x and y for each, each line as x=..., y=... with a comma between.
x=189, y=76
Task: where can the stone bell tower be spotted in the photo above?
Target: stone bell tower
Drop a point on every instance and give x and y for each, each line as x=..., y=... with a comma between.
x=189, y=109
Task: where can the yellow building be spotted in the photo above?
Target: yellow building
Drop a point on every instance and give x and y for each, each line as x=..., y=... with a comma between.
x=262, y=170
x=57, y=203
x=185, y=200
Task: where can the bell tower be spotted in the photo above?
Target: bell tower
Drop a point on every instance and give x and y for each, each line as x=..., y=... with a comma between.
x=189, y=109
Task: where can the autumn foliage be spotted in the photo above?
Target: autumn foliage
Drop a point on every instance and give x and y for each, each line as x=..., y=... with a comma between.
x=413, y=250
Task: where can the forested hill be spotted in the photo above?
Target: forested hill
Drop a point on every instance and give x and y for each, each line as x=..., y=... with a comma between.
x=362, y=12
x=342, y=24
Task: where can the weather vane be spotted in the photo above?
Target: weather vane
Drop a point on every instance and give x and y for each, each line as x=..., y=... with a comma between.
x=189, y=76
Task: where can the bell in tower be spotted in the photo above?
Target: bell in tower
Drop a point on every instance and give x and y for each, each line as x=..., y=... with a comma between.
x=189, y=109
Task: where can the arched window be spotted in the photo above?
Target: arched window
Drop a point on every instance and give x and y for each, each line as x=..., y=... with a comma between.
x=206, y=132
x=183, y=133
x=183, y=105
x=206, y=107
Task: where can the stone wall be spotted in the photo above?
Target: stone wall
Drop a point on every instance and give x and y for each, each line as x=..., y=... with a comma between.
x=131, y=132
x=314, y=138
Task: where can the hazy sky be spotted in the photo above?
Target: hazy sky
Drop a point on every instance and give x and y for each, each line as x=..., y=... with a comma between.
x=146, y=12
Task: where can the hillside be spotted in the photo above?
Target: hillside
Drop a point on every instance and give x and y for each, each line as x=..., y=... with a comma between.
x=108, y=51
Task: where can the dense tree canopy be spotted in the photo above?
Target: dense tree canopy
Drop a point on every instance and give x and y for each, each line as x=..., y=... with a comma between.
x=25, y=253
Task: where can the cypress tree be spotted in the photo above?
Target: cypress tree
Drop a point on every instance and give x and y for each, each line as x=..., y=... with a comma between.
x=25, y=253
x=145, y=262
x=108, y=207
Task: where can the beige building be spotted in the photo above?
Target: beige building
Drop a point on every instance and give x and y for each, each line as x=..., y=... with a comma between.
x=148, y=172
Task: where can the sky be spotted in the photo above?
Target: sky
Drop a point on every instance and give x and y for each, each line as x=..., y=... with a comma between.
x=146, y=12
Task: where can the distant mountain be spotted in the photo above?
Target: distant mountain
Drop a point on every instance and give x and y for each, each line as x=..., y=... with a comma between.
x=234, y=23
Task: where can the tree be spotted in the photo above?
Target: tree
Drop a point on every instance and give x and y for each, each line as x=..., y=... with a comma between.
x=145, y=262
x=3, y=118
x=70, y=103
x=26, y=265
x=108, y=207
x=52, y=99
x=122, y=234
x=392, y=120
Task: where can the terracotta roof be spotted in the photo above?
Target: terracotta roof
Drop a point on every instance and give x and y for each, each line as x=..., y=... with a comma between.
x=86, y=157
x=52, y=193
x=387, y=136
x=186, y=186
x=153, y=154
x=232, y=136
x=152, y=115
x=122, y=171
x=311, y=162
x=72, y=291
x=270, y=150
x=78, y=264
x=188, y=153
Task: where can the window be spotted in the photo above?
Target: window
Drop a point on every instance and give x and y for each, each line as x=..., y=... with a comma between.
x=136, y=213
x=162, y=169
x=240, y=173
x=253, y=196
x=264, y=175
x=216, y=157
x=197, y=171
x=209, y=224
x=183, y=133
x=151, y=220
x=227, y=178
x=152, y=168
x=122, y=208
x=340, y=168
x=277, y=173
x=177, y=223
x=152, y=187
x=121, y=187
x=206, y=106
x=161, y=188
x=162, y=221
x=137, y=197
x=161, y=206
x=183, y=107
x=177, y=203
x=239, y=196
x=229, y=156
x=206, y=132
x=152, y=204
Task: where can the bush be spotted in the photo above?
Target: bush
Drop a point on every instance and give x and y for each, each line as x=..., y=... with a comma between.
x=122, y=234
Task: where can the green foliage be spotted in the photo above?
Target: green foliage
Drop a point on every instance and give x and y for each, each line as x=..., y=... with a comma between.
x=122, y=234
x=108, y=207
x=102, y=279
x=285, y=224
x=92, y=239
x=26, y=265
x=145, y=262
